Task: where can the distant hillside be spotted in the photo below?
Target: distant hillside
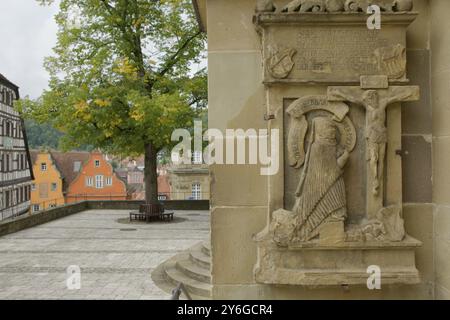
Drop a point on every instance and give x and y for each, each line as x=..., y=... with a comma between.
x=45, y=136
x=42, y=135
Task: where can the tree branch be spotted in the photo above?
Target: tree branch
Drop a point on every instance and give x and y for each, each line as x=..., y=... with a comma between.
x=174, y=58
x=108, y=7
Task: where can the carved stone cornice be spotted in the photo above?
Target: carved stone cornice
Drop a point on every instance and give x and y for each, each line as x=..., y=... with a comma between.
x=330, y=19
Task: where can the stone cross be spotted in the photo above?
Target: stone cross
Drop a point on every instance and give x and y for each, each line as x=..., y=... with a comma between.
x=375, y=95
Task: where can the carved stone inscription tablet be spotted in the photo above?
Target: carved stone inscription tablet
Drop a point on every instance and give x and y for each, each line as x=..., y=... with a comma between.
x=327, y=54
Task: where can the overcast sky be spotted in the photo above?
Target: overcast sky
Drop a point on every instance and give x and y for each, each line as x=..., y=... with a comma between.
x=28, y=34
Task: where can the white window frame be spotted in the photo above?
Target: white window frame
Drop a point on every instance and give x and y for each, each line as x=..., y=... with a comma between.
x=89, y=182
x=36, y=206
x=97, y=163
x=99, y=182
x=196, y=191
x=197, y=157
x=44, y=166
x=76, y=165
x=162, y=197
x=109, y=181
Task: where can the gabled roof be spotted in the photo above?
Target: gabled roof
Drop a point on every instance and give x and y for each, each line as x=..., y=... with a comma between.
x=9, y=84
x=34, y=155
x=65, y=163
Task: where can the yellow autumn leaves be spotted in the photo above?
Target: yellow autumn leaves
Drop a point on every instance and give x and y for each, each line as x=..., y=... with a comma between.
x=82, y=111
x=125, y=68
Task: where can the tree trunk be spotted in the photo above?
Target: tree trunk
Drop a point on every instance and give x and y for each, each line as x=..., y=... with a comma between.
x=151, y=175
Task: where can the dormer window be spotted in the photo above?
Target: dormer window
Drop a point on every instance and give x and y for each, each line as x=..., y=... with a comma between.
x=76, y=166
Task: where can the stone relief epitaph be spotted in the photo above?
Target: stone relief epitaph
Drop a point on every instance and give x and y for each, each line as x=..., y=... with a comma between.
x=344, y=78
x=321, y=147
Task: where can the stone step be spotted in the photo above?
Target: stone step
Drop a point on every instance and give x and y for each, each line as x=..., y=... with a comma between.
x=200, y=258
x=194, y=271
x=206, y=248
x=195, y=287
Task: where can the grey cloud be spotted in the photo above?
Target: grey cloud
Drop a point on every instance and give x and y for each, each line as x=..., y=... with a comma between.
x=27, y=35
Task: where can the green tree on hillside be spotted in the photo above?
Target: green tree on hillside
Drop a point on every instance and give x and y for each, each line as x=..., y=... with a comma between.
x=42, y=135
x=121, y=77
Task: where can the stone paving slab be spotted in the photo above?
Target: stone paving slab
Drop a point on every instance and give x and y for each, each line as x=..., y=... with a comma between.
x=116, y=257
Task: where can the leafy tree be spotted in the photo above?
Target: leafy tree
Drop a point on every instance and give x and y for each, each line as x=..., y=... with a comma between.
x=121, y=77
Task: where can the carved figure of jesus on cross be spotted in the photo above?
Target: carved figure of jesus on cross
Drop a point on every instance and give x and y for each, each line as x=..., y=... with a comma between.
x=375, y=101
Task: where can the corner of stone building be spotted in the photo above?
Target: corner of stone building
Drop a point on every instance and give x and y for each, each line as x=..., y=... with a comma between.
x=440, y=77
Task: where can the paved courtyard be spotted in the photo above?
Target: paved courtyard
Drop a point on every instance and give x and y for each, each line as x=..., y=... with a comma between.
x=116, y=257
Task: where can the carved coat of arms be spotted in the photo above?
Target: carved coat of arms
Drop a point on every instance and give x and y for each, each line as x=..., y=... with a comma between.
x=280, y=64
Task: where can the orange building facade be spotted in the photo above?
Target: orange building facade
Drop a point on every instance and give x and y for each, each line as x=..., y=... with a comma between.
x=47, y=187
x=96, y=180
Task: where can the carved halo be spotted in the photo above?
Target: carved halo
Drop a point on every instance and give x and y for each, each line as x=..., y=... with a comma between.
x=299, y=125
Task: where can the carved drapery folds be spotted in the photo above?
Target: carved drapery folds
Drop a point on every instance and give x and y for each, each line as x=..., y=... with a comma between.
x=321, y=147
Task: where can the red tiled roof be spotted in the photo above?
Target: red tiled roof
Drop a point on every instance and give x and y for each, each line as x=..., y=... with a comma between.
x=65, y=163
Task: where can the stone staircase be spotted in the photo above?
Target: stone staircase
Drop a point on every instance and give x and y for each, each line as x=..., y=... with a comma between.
x=192, y=268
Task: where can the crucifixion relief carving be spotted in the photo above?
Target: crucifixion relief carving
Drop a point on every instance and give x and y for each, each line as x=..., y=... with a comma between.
x=375, y=101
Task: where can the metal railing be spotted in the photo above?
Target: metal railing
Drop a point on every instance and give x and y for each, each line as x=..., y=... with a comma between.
x=58, y=202
x=95, y=196
x=179, y=289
